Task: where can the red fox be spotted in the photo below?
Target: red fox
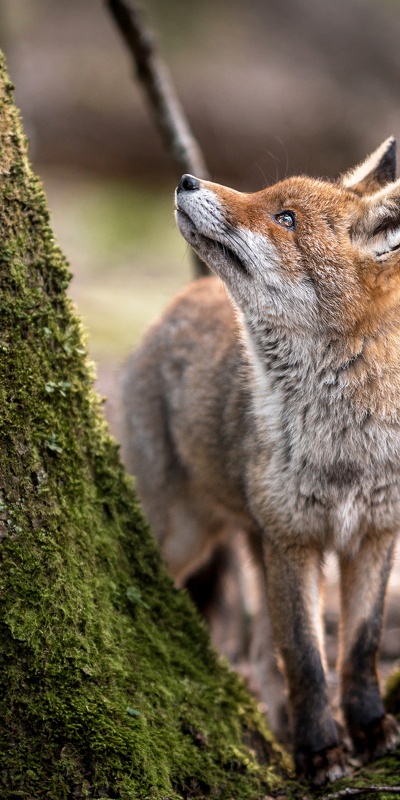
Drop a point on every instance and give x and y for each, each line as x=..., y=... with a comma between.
x=267, y=399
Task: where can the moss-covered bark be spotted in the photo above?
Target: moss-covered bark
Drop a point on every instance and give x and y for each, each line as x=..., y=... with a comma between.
x=108, y=686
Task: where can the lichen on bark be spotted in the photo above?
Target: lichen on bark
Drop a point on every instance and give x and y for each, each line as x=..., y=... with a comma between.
x=108, y=685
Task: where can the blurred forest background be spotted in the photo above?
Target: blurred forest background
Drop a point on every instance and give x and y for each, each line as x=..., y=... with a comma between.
x=270, y=88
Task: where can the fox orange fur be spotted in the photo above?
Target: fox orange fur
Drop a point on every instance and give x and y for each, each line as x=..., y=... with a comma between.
x=267, y=399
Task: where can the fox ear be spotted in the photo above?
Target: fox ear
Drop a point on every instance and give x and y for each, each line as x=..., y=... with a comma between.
x=378, y=228
x=376, y=171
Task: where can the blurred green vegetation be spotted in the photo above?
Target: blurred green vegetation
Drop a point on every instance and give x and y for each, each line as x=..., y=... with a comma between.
x=125, y=253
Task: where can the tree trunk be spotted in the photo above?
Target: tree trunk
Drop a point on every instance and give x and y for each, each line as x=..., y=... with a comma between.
x=109, y=686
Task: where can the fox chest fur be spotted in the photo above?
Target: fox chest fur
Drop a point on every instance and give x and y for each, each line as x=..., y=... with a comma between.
x=295, y=435
x=326, y=449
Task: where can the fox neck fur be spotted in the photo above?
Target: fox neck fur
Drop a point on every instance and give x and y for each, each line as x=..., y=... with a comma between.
x=327, y=413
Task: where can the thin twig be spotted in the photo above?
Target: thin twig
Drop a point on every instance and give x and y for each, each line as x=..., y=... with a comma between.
x=164, y=104
x=160, y=94
x=352, y=792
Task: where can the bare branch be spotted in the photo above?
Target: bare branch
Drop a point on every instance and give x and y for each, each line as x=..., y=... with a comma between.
x=356, y=790
x=164, y=104
x=161, y=96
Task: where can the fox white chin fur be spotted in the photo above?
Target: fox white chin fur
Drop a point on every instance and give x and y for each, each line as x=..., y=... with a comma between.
x=267, y=401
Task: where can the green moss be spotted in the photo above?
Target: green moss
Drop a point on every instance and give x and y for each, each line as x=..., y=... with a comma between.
x=109, y=686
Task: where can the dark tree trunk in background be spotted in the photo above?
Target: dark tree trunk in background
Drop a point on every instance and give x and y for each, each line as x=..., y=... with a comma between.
x=108, y=685
x=162, y=99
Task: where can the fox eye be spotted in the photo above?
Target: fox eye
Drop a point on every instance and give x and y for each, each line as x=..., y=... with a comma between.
x=287, y=219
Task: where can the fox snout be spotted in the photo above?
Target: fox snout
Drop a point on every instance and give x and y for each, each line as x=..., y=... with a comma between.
x=195, y=207
x=183, y=204
x=203, y=218
x=187, y=183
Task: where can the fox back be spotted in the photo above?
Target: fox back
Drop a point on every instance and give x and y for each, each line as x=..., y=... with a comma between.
x=267, y=400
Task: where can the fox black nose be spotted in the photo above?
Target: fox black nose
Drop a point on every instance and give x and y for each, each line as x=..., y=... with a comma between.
x=188, y=183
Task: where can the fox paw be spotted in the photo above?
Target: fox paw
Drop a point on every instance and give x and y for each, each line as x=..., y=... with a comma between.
x=325, y=766
x=376, y=738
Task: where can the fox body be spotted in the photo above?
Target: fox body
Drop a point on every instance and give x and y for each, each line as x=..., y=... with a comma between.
x=267, y=399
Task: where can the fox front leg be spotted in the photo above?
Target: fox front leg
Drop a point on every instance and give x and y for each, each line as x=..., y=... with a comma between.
x=294, y=583
x=268, y=676
x=364, y=577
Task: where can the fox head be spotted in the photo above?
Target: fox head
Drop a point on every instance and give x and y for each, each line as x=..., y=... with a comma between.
x=316, y=254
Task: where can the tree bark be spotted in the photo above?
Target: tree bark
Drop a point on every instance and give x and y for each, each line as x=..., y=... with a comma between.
x=108, y=685
x=109, y=688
